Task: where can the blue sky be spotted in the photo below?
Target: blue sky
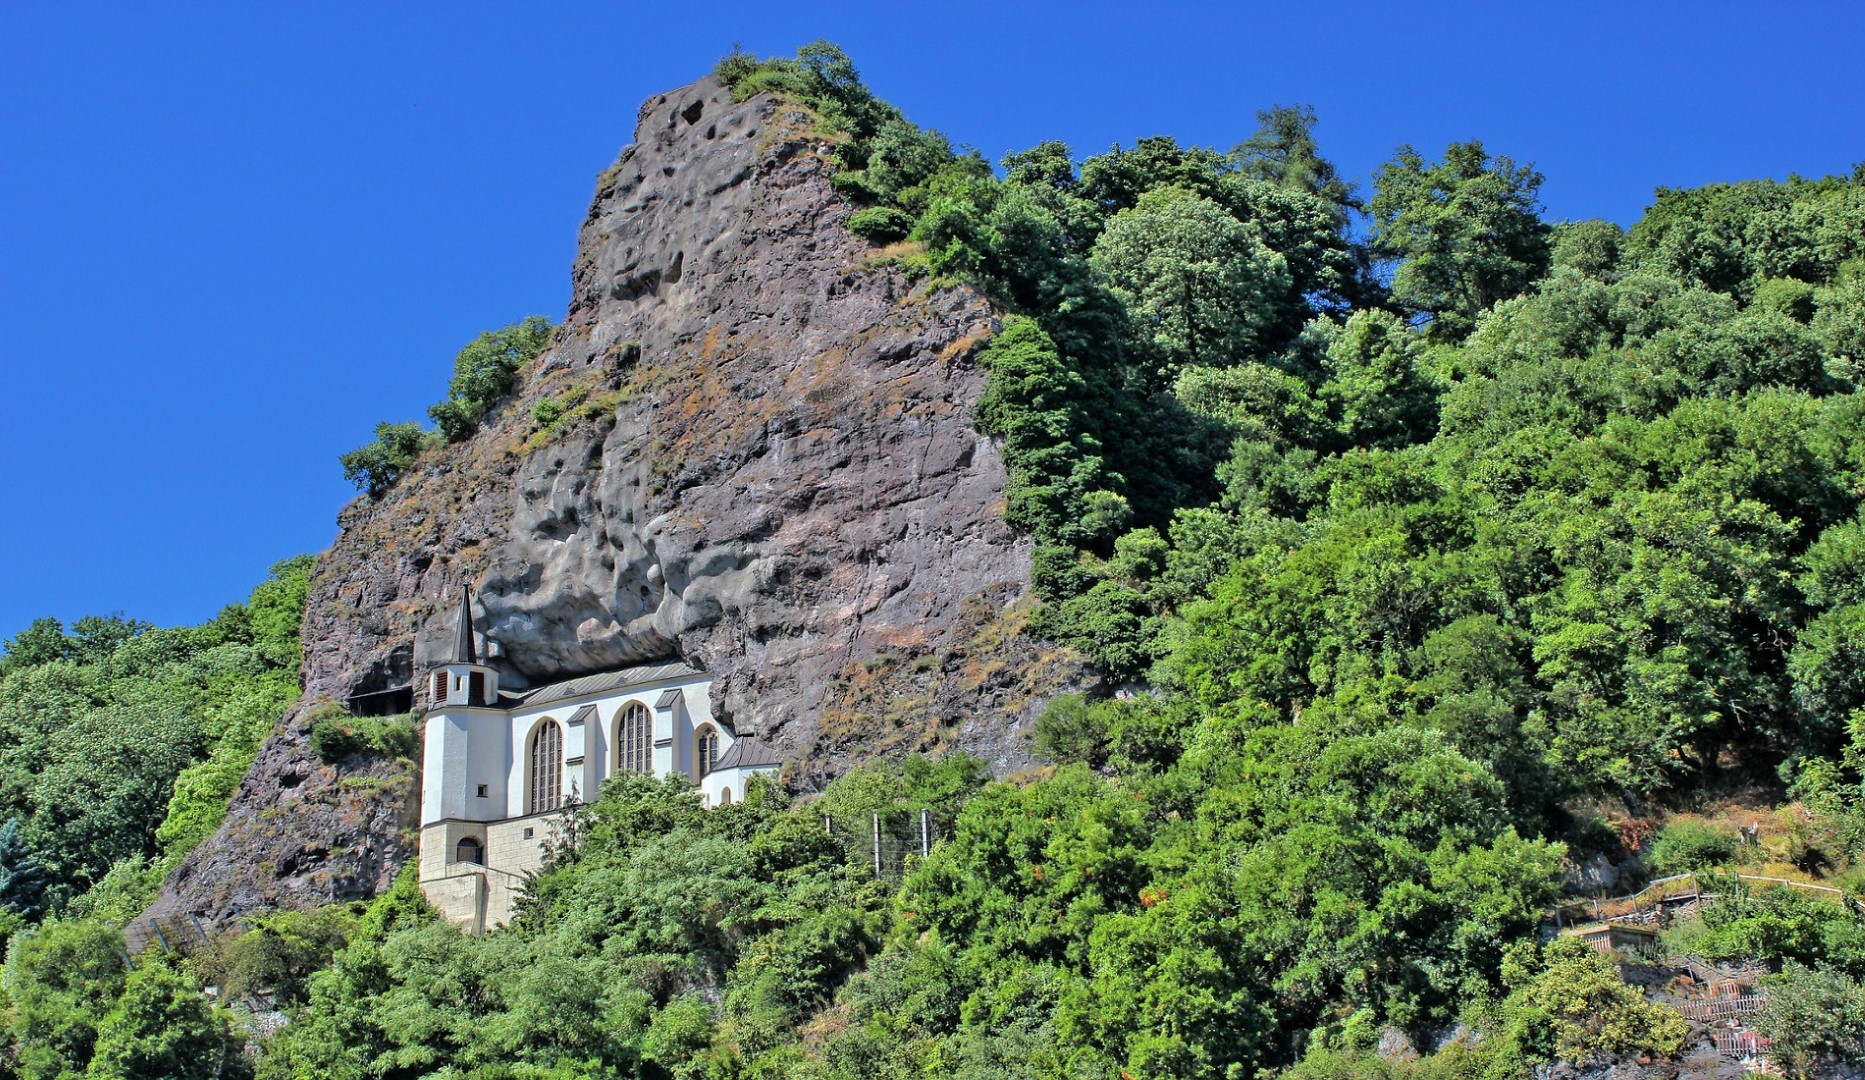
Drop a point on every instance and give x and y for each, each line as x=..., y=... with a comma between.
x=233, y=237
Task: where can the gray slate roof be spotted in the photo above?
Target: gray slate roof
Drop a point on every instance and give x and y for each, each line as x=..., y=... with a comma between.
x=607, y=681
x=748, y=753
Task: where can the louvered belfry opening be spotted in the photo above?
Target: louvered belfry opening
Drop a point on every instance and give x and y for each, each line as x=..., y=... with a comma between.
x=546, y=768
x=634, y=740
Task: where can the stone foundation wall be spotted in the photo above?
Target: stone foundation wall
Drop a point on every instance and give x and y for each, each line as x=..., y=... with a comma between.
x=478, y=897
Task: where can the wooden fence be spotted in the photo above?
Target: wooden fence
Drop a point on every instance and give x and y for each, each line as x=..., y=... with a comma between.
x=1720, y=1008
x=1673, y=897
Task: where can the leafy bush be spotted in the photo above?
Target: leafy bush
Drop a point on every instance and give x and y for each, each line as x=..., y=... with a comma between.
x=279, y=954
x=1576, y=1008
x=336, y=735
x=1685, y=845
x=61, y=981
x=547, y=411
x=881, y=224
x=161, y=1026
x=485, y=371
x=1780, y=924
x=376, y=466
x=1813, y=1019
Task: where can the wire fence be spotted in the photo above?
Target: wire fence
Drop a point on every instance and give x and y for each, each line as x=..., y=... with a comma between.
x=181, y=933
x=888, y=843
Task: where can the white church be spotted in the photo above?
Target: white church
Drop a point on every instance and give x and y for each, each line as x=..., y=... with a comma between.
x=498, y=765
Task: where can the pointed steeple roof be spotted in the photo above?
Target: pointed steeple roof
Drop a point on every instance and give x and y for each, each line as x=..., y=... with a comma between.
x=463, y=651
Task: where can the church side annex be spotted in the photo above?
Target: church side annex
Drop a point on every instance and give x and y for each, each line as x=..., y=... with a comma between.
x=498, y=766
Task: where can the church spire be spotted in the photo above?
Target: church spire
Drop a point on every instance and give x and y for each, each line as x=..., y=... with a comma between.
x=463, y=651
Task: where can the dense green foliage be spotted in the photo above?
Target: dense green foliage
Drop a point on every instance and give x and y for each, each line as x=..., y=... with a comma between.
x=484, y=372
x=1060, y=917
x=1814, y=1019
x=120, y=747
x=1581, y=503
x=122, y=742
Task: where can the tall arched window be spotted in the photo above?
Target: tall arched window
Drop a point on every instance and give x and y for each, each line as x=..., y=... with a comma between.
x=705, y=751
x=546, y=767
x=634, y=740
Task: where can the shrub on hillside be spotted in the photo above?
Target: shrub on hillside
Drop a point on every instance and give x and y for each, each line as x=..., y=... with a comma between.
x=485, y=371
x=336, y=735
x=375, y=467
x=1686, y=845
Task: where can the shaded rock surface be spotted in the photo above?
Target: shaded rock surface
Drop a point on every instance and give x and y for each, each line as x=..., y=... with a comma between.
x=766, y=467
x=303, y=832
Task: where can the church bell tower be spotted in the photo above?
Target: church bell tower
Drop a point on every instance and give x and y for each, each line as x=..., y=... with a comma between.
x=463, y=680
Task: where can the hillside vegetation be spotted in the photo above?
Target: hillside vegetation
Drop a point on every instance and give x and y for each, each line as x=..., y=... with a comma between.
x=1440, y=551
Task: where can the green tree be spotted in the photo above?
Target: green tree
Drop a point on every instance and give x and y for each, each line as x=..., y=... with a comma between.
x=62, y=980
x=1813, y=1018
x=22, y=880
x=41, y=643
x=485, y=370
x=376, y=466
x=1466, y=231
x=1283, y=151
x=1576, y=1008
x=1377, y=391
x=1201, y=285
x=162, y=1026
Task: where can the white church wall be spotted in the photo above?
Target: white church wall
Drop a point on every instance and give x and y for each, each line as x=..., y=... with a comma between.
x=463, y=749
x=595, y=742
x=470, y=749
x=719, y=781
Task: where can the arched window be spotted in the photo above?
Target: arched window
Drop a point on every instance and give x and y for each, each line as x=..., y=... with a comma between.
x=469, y=851
x=634, y=740
x=705, y=751
x=725, y=796
x=546, y=767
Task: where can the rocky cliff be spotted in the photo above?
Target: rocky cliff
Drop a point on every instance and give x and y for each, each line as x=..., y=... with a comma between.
x=762, y=463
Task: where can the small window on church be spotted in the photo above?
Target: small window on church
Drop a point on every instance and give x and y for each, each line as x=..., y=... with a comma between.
x=440, y=687
x=705, y=751
x=469, y=851
x=725, y=796
x=634, y=740
x=482, y=791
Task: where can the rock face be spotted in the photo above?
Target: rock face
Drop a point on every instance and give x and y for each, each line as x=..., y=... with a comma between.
x=302, y=832
x=765, y=466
